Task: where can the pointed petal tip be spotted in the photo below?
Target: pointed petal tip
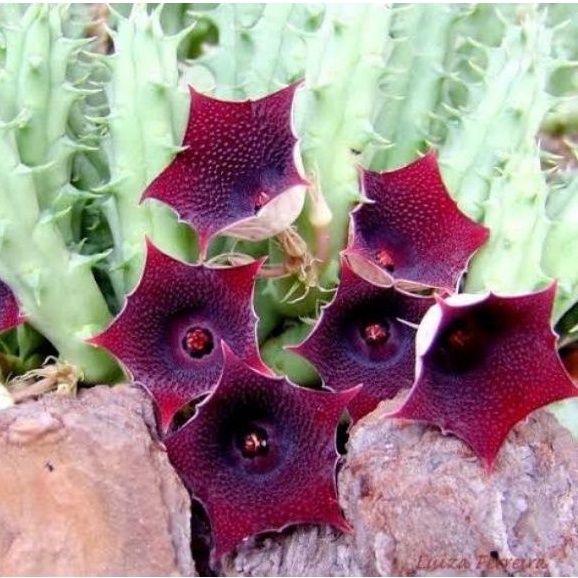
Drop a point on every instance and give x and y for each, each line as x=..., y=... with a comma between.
x=349, y=394
x=257, y=264
x=296, y=348
x=232, y=362
x=149, y=244
x=340, y=522
x=22, y=318
x=255, y=363
x=166, y=414
x=95, y=340
x=228, y=353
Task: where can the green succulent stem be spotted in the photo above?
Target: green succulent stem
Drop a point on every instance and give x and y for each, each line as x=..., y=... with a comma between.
x=38, y=255
x=146, y=122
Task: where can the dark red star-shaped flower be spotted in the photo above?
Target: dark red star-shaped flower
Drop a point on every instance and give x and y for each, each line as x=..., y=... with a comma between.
x=239, y=156
x=169, y=332
x=365, y=335
x=484, y=363
x=411, y=228
x=260, y=454
x=10, y=315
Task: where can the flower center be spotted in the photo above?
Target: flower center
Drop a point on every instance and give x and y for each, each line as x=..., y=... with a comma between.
x=375, y=333
x=385, y=260
x=463, y=344
x=198, y=342
x=260, y=200
x=462, y=336
x=253, y=442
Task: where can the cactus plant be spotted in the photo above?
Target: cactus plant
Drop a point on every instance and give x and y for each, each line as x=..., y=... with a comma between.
x=40, y=258
x=202, y=252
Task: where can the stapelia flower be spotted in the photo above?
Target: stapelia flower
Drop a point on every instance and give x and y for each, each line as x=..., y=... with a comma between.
x=485, y=362
x=412, y=229
x=239, y=156
x=363, y=336
x=10, y=315
x=169, y=332
x=260, y=454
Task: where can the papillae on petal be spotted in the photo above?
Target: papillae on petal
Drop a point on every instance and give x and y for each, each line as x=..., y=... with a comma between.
x=260, y=454
x=484, y=362
x=169, y=332
x=238, y=157
x=411, y=228
x=365, y=335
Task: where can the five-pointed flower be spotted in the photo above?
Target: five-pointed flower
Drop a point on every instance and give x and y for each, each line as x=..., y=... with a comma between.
x=411, y=228
x=365, y=335
x=260, y=454
x=169, y=332
x=484, y=362
x=238, y=157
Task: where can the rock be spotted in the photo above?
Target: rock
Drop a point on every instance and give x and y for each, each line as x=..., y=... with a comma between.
x=87, y=489
x=299, y=551
x=421, y=503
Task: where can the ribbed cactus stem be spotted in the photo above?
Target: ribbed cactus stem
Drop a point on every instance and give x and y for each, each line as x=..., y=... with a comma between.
x=515, y=213
x=504, y=111
x=513, y=202
x=54, y=284
x=561, y=248
x=339, y=51
x=412, y=82
x=344, y=67
x=147, y=120
x=261, y=48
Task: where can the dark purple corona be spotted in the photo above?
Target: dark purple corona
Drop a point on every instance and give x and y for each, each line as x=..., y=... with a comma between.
x=385, y=260
x=412, y=228
x=242, y=455
x=168, y=334
x=236, y=158
x=484, y=362
x=260, y=201
x=198, y=342
x=375, y=333
x=366, y=335
x=254, y=442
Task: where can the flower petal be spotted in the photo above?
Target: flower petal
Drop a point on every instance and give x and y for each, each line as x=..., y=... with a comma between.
x=9, y=311
x=238, y=157
x=484, y=363
x=363, y=336
x=260, y=454
x=412, y=228
x=169, y=332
